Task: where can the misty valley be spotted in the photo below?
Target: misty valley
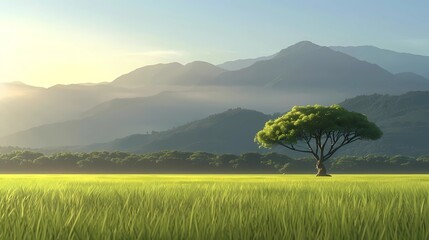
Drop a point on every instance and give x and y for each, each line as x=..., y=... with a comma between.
x=227, y=151
x=214, y=120
x=218, y=109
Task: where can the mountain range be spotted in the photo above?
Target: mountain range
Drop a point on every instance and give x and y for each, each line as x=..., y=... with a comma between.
x=242, y=63
x=169, y=74
x=307, y=67
x=25, y=106
x=163, y=96
x=402, y=118
x=394, y=62
x=231, y=131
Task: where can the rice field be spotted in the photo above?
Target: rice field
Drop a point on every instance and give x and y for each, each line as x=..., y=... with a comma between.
x=214, y=207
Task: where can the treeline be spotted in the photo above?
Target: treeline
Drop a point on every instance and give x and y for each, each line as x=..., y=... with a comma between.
x=200, y=162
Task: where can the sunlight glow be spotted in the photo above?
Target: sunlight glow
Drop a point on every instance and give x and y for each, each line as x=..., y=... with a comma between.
x=42, y=55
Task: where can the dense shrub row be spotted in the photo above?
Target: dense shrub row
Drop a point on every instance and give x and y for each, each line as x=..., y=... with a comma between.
x=200, y=162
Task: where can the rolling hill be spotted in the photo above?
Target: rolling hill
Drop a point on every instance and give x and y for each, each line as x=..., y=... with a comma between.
x=24, y=107
x=402, y=118
x=115, y=118
x=231, y=131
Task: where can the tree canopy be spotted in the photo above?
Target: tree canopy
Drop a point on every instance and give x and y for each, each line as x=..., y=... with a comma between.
x=322, y=130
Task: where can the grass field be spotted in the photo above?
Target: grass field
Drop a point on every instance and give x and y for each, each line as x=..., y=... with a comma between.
x=214, y=207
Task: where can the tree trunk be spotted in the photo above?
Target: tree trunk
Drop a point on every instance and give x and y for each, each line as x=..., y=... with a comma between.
x=321, y=169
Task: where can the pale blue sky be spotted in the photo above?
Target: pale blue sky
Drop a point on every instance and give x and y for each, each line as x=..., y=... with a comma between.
x=63, y=41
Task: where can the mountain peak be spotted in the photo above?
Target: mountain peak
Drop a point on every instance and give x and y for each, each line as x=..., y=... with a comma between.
x=303, y=46
x=199, y=64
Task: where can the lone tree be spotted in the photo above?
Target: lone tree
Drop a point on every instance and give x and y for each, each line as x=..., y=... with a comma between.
x=322, y=130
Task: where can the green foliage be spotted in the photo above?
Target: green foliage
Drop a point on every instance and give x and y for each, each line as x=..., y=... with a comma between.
x=159, y=162
x=200, y=162
x=214, y=207
x=304, y=122
x=323, y=130
x=403, y=118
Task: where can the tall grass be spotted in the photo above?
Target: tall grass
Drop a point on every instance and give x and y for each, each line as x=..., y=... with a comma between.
x=214, y=207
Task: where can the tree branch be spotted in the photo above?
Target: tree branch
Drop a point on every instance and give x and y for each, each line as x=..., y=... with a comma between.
x=315, y=155
x=346, y=140
x=291, y=147
x=328, y=136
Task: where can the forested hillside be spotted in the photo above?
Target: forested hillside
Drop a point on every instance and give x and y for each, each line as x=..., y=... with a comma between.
x=402, y=118
x=201, y=162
